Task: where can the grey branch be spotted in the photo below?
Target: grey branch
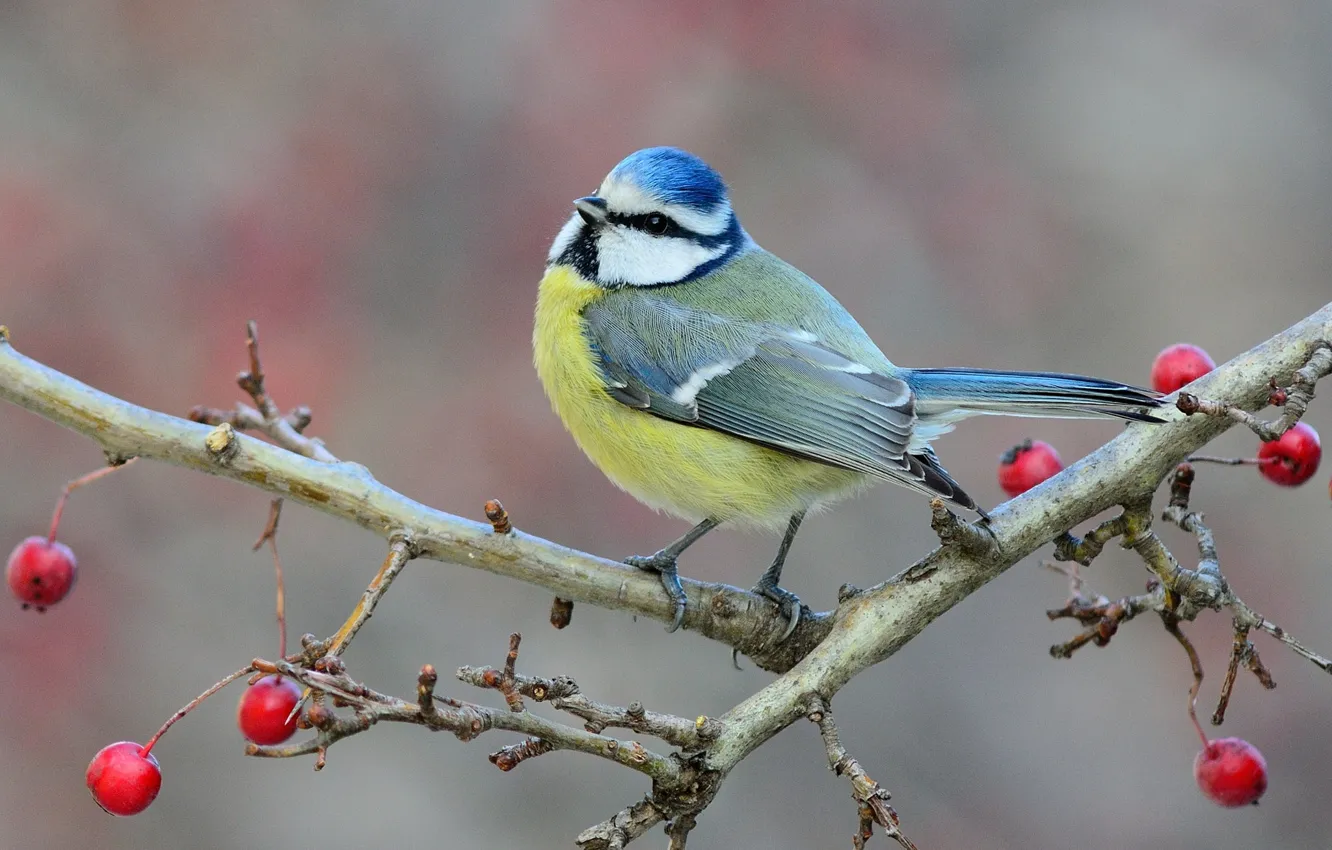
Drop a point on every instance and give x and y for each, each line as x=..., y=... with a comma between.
x=465, y=720
x=875, y=624
x=563, y=694
x=1177, y=593
x=871, y=798
x=826, y=652
x=736, y=617
x=627, y=824
x=265, y=416
x=1295, y=398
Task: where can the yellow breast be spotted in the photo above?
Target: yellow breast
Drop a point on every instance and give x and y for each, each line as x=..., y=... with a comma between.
x=687, y=471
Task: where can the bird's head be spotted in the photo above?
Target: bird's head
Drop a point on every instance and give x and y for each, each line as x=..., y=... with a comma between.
x=661, y=216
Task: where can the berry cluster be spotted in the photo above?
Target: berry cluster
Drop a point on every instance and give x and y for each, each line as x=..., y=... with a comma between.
x=124, y=778
x=1230, y=772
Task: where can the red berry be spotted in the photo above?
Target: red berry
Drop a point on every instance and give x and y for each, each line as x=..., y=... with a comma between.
x=1291, y=460
x=123, y=779
x=1178, y=365
x=1024, y=466
x=1231, y=772
x=264, y=709
x=40, y=572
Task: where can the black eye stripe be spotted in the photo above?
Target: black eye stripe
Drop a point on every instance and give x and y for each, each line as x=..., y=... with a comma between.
x=657, y=224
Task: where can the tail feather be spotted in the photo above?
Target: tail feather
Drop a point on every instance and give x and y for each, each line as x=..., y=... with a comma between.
x=943, y=391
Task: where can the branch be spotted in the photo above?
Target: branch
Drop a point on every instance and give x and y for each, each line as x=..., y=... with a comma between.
x=1295, y=399
x=562, y=693
x=264, y=417
x=826, y=651
x=1177, y=593
x=871, y=798
x=873, y=625
x=628, y=824
x=465, y=720
x=736, y=617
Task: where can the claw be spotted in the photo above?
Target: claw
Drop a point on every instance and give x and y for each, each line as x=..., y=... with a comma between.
x=787, y=602
x=664, y=566
x=791, y=626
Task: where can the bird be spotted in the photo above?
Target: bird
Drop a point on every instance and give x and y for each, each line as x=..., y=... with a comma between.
x=714, y=381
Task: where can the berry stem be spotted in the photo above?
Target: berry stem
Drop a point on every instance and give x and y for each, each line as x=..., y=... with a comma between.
x=76, y=484
x=1235, y=461
x=269, y=536
x=192, y=705
x=1171, y=623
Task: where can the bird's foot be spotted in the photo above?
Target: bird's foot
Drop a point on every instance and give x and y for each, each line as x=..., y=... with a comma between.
x=664, y=565
x=787, y=602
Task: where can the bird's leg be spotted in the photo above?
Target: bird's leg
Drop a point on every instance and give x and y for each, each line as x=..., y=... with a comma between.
x=663, y=563
x=787, y=601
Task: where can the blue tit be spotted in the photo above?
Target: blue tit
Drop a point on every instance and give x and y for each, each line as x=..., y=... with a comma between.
x=713, y=381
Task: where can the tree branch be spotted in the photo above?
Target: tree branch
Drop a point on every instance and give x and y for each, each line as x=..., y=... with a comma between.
x=874, y=624
x=736, y=617
x=464, y=719
x=825, y=652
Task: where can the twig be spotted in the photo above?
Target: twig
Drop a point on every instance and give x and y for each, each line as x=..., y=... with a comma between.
x=508, y=757
x=1234, y=461
x=1298, y=648
x=1295, y=398
x=539, y=688
x=1102, y=618
x=677, y=731
x=871, y=798
x=975, y=539
x=1188, y=591
x=628, y=824
x=269, y=536
x=506, y=682
x=264, y=417
x=563, y=694
x=399, y=553
x=1177, y=594
x=465, y=720
x=1084, y=550
x=1242, y=651
x=253, y=380
x=678, y=831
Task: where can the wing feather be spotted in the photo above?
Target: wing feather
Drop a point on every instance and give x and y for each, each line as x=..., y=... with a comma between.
x=777, y=386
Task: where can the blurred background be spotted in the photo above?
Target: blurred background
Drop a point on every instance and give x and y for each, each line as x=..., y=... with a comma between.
x=982, y=183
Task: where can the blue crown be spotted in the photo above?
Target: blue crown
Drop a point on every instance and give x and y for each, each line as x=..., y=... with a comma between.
x=673, y=176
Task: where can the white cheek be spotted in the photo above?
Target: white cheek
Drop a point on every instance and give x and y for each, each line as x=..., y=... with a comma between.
x=631, y=256
x=565, y=238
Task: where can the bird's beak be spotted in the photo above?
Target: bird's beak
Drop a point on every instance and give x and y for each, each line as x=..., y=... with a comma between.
x=592, y=209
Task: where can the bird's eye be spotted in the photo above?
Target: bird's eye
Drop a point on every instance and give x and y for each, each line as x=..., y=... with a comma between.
x=657, y=224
